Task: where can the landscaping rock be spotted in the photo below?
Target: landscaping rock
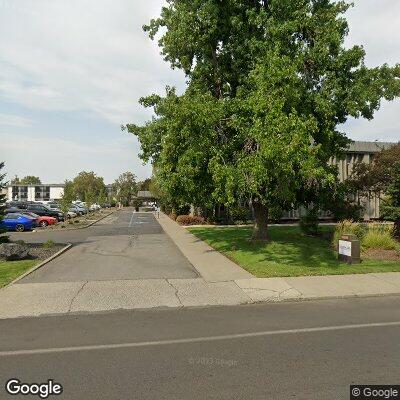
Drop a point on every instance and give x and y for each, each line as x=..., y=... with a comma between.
x=13, y=251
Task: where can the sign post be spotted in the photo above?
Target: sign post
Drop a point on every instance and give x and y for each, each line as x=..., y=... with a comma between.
x=349, y=249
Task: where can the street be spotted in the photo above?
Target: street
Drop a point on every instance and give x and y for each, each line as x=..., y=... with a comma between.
x=308, y=350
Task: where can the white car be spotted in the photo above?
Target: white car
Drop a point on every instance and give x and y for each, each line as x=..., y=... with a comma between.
x=94, y=207
x=71, y=214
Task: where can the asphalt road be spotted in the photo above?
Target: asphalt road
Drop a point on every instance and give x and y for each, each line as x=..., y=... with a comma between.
x=124, y=246
x=310, y=350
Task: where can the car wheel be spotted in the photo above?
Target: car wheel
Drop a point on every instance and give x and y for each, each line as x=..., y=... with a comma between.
x=19, y=228
x=43, y=224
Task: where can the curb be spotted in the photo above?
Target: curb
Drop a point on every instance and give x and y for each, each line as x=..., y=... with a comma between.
x=40, y=265
x=80, y=227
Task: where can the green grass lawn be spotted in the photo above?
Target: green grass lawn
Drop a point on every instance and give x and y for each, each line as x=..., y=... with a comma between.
x=9, y=270
x=289, y=253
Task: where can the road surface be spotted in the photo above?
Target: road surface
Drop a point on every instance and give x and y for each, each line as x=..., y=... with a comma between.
x=309, y=350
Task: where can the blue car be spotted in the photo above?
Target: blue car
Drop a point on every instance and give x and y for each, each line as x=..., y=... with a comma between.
x=18, y=222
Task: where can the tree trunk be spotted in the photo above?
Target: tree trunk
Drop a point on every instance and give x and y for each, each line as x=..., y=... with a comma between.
x=260, y=214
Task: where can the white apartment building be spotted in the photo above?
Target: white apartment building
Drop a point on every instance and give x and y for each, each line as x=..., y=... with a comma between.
x=42, y=192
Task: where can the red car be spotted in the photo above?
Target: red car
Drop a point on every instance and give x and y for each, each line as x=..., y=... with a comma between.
x=41, y=221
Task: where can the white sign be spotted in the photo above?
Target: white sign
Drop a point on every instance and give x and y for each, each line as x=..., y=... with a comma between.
x=345, y=248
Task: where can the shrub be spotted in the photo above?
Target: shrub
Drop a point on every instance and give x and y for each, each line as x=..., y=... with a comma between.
x=189, y=220
x=390, y=213
x=309, y=222
x=182, y=209
x=48, y=245
x=76, y=221
x=379, y=240
x=371, y=236
x=349, y=227
x=239, y=214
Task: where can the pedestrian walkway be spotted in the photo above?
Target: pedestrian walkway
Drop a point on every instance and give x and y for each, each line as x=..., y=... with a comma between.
x=209, y=263
x=34, y=299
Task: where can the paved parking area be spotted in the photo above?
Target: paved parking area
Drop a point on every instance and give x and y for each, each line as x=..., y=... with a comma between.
x=124, y=246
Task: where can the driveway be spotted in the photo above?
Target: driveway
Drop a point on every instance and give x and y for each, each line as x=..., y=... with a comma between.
x=124, y=246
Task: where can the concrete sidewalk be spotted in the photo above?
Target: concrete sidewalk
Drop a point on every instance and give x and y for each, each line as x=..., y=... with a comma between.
x=209, y=263
x=34, y=299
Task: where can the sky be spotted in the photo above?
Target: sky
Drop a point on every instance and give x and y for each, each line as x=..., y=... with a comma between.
x=71, y=72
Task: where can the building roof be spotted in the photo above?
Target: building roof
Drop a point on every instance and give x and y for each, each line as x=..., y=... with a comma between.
x=61, y=185
x=368, y=147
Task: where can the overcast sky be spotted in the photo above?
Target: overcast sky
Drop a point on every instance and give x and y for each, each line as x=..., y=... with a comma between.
x=71, y=72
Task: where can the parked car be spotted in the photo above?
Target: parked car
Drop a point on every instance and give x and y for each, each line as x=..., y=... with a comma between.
x=71, y=214
x=41, y=220
x=76, y=210
x=106, y=205
x=42, y=210
x=22, y=205
x=81, y=208
x=18, y=222
x=95, y=207
x=53, y=206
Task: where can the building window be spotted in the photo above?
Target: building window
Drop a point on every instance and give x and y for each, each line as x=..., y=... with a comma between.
x=20, y=193
x=42, y=193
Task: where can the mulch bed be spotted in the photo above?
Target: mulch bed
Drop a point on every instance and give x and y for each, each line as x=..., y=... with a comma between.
x=38, y=252
x=383, y=255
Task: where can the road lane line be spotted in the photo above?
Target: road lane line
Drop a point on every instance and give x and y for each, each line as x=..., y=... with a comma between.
x=130, y=223
x=196, y=339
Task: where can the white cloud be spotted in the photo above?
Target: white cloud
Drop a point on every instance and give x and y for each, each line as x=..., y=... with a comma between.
x=89, y=55
x=50, y=159
x=15, y=120
x=375, y=24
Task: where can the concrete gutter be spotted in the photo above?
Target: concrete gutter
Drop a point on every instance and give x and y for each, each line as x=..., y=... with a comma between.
x=40, y=265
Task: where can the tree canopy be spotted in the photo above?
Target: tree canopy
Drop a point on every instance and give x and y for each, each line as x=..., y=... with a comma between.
x=125, y=188
x=88, y=184
x=268, y=84
x=30, y=180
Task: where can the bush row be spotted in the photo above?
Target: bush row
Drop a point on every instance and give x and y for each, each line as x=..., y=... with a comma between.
x=371, y=235
x=188, y=220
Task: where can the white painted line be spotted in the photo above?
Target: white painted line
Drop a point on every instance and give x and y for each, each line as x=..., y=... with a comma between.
x=195, y=340
x=130, y=223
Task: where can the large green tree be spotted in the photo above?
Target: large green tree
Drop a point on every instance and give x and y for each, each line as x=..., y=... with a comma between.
x=88, y=183
x=125, y=188
x=269, y=82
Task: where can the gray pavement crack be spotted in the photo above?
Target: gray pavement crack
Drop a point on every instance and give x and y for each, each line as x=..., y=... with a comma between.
x=76, y=295
x=176, y=293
